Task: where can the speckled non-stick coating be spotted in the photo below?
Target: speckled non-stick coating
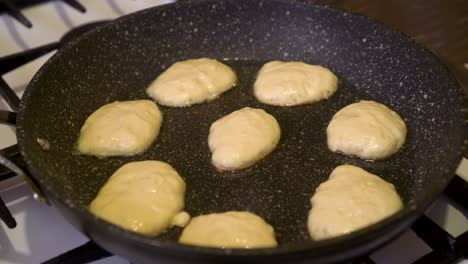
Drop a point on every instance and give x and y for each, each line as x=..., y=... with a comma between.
x=117, y=62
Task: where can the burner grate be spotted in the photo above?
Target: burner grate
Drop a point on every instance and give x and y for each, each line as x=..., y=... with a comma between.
x=86, y=253
x=13, y=8
x=446, y=248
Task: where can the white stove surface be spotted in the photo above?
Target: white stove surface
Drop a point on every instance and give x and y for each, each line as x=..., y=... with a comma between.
x=42, y=233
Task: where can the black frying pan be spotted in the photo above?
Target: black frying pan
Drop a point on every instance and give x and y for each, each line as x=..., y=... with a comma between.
x=118, y=61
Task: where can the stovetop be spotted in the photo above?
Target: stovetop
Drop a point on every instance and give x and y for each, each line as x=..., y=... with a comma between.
x=42, y=233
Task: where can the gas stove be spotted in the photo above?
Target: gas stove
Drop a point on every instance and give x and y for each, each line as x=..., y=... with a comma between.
x=42, y=234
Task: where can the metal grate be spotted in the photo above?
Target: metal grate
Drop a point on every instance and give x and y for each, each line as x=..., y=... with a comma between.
x=13, y=8
x=445, y=248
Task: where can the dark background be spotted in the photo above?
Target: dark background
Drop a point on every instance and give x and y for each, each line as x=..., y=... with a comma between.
x=442, y=26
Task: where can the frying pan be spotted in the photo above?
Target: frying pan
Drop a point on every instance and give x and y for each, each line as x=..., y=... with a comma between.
x=118, y=61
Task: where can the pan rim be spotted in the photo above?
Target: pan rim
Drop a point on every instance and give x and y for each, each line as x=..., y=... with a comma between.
x=398, y=222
